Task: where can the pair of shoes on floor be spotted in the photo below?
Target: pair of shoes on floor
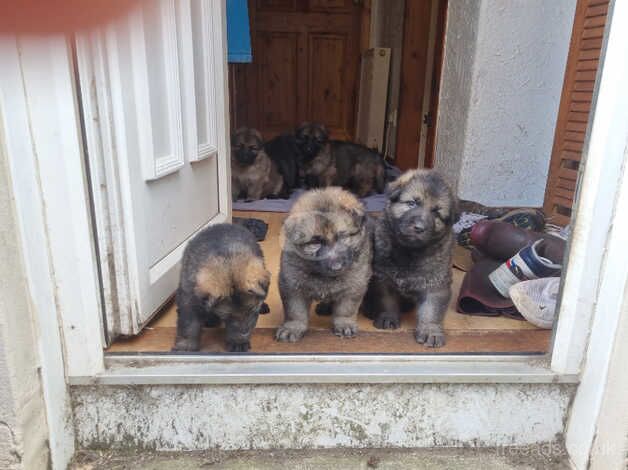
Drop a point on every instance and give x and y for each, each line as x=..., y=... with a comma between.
x=536, y=300
x=529, y=219
x=496, y=244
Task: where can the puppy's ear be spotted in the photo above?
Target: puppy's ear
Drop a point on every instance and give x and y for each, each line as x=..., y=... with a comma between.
x=359, y=216
x=324, y=130
x=393, y=191
x=257, y=134
x=255, y=278
x=235, y=135
x=298, y=228
x=299, y=130
x=454, y=211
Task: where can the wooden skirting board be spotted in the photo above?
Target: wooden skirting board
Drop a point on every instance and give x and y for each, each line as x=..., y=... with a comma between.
x=465, y=334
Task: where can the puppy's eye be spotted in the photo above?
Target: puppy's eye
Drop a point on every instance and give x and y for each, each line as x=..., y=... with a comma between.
x=411, y=203
x=435, y=210
x=348, y=234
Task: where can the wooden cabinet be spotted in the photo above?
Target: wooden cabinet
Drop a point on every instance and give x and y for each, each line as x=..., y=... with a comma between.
x=306, y=56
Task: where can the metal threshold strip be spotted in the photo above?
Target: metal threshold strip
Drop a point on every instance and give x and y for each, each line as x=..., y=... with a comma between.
x=323, y=369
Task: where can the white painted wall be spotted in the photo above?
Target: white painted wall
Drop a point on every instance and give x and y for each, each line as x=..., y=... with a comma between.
x=502, y=79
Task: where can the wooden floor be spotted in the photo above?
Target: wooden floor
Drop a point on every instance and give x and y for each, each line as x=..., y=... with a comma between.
x=465, y=334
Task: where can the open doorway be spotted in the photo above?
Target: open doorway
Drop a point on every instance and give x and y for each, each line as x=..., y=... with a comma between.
x=308, y=62
x=313, y=61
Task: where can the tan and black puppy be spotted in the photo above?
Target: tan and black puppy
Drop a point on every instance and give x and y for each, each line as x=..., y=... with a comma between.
x=413, y=243
x=325, y=162
x=223, y=280
x=253, y=174
x=326, y=257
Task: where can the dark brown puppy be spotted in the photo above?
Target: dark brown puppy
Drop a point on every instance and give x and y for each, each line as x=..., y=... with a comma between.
x=326, y=257
x=413, y=244
x=253, y=174
x=325, y=162
x=223, y=279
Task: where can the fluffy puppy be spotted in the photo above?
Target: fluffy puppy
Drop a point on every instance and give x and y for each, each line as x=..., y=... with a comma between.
x=253, y=174
x=413, y=244
x=326, y=257
x=325, y=162
x=223, y=279
x=282, y=150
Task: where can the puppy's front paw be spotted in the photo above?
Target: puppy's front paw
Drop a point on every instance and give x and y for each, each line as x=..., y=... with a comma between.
x=264, y=309
x=238, y=347
x=387, y=321
x=290, y=332
x=431, y=336
x=345, y=329
x=186, y=344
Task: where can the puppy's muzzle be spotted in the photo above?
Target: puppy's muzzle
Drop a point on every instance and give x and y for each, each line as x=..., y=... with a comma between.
x=246, y=157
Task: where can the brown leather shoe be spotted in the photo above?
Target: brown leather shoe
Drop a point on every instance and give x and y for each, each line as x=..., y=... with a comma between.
x=501, y=240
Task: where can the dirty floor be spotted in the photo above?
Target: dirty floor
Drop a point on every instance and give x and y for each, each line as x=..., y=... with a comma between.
x=546, y=457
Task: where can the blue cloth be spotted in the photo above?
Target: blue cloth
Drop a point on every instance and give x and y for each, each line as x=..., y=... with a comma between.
x=238, y=32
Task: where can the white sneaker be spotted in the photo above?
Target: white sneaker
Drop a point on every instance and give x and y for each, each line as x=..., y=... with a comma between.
x=536, y=300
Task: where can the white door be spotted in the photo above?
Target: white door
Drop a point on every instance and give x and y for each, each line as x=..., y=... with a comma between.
x=154, y=97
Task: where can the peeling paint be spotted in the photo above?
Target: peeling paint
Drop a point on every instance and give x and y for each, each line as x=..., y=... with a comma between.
x=318, y=416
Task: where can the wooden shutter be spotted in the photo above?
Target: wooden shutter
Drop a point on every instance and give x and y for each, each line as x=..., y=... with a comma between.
x=575, y=105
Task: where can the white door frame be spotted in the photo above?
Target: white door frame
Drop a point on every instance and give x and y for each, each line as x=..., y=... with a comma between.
x=37, y=104
x=51, y=193
x=608, y=142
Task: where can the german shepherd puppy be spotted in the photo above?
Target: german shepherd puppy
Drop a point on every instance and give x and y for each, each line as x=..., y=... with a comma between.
x=413, y=244
x=326, y=257
x=223, y=279
x=282, y=150
x=253, y=174
x=325, y=162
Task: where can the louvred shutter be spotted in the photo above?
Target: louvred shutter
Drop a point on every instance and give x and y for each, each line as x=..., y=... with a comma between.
x=575, y=106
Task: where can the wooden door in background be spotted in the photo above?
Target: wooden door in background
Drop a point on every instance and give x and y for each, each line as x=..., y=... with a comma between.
x=306, y=56
x=416, y=95
x=575, y=106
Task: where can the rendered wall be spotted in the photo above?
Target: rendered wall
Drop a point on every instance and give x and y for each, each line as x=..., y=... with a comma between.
x=502, y=78
x=195, y=417
x=23, y=429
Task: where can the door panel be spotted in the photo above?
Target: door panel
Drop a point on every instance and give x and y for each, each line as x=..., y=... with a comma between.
x=278, y=79
x=305, y=67
x=327, y=95
x=155, y=81
x=163, y=80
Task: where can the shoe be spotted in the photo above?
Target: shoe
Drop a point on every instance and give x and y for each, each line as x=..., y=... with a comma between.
x=536, y=300
x=529, y=263
x=529, y=219
x=477, y=295
x=501, y=240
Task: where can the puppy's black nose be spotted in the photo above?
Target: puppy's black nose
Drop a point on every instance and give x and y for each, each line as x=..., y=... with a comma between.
x=419, y=227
